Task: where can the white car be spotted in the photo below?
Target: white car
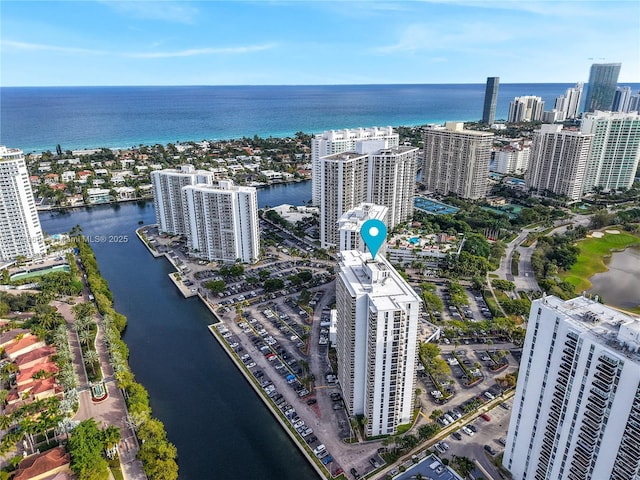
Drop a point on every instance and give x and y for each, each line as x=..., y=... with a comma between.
x=319, y=448
x=468, y=431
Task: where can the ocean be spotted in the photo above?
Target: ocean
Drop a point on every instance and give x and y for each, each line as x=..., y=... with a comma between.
x=37, y=119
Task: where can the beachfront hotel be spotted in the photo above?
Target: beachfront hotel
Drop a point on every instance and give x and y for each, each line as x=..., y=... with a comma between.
x=456, y=161
x=222, y=222
x=332, y=142
x=376, y=341
x=615, y=150
x=576, y=411
x=168, y=196
x=558, y=161
x=382, y=176
x=20, y=230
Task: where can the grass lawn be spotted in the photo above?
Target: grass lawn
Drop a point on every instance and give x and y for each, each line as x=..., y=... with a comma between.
x=116, y=470
x=593, y=251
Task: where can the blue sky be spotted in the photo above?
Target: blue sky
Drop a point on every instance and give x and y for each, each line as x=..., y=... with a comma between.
x=303, y=42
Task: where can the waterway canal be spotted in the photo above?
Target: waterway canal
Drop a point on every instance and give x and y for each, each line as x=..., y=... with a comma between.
x=219, y=425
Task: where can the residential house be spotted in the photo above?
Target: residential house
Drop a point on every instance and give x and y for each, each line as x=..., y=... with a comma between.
x=51, y=464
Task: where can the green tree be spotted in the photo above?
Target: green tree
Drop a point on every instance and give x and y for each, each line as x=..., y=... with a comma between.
x=85, y=448
x=216, y=286
x=436, y=414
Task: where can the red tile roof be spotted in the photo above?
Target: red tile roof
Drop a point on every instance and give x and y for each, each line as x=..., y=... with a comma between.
x=41, y=355
x=27, y=373
x=25, y=342
x=36, y=465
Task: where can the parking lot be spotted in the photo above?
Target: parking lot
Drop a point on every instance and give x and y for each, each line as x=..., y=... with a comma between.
x=284, y=349
x=484, y=442
x=270, y=339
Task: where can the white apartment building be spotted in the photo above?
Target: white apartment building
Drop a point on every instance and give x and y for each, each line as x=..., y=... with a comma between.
x=456, y=161
x=511, y=159
x=526, y=109
x=343, y=188
x=168, y=195
x=222, y=222
x=558, y=161
x=615, y=151
x=381, y=176
x=351, y=222
x=391, y=181
x=569, y=104
x=20, y=230
x=576, y=411
x=332, y=142
x=376, y=341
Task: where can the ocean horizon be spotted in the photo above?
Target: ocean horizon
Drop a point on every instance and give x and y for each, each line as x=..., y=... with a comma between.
x=36, y=119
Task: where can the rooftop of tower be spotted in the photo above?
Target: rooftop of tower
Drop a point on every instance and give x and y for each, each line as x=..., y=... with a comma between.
x=395, y=150
x=611, y=327
x=457, y=127
x=377, y=278
x=344, y=156
x=7, y=153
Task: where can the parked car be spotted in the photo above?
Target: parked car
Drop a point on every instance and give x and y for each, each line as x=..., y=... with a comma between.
x=490, y=450
x=457, y=435
x=485, y=417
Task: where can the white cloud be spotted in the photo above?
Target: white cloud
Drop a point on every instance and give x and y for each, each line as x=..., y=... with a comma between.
x=169, y=11
x=204, y=51
x=50, y=48
x=178, y=53
x=418, y=37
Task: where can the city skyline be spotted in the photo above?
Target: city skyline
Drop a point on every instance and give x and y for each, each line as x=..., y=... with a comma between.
x=279, y=43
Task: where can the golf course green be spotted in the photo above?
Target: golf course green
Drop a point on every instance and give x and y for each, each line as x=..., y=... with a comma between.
x=593, y=251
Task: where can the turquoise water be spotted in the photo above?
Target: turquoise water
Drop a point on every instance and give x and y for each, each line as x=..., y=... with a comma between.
x=39, y=272
x=39, y=118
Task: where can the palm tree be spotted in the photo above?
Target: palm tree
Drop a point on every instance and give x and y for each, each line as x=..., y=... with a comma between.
x=82, y=323
x=91, y=357
x=111, y=436
x=85, y=337
x=5, y=421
